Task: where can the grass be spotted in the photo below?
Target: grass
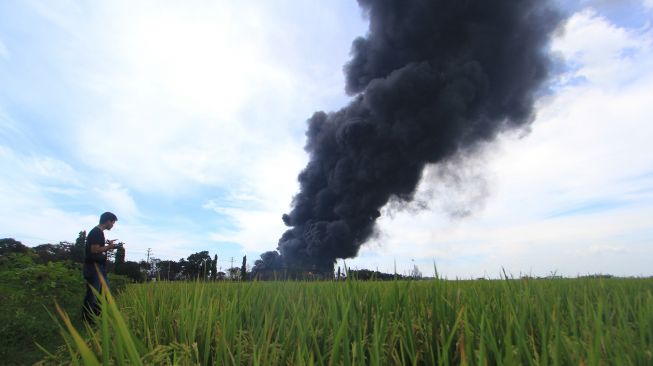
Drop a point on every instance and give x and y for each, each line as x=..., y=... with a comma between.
x=438, y=322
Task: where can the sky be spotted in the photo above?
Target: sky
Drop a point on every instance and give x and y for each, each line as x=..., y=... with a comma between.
x=187, y=119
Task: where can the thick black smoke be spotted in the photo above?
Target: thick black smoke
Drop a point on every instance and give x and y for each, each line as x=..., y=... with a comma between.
x=431, y=80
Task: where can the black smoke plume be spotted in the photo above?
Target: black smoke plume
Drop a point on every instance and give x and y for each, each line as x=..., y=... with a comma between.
x=432, y=80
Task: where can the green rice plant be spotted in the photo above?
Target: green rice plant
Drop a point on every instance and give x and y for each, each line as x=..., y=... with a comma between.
x=435, y=322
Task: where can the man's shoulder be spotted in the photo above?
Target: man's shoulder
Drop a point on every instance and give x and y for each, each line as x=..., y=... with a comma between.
x=95, y=236
x=95, y=231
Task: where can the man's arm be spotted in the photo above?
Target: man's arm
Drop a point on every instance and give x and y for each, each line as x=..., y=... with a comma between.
x=96, y=248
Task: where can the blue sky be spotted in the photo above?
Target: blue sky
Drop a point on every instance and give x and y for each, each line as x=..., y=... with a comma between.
x=187, y=120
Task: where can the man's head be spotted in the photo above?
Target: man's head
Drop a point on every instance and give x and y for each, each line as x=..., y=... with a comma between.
x=107, y=220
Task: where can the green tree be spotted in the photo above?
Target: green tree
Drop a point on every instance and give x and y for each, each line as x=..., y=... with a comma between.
x=28, y=291
x=184, y=268
x=120, y=257
x=198, y=265
x=214, y=268
x=131, y=270
x=243, y=269
x=10, y=245
x=53, y=252
x=169, y=270
x=78, y=250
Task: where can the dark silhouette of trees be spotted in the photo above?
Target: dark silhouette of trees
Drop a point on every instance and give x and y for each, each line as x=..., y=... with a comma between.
x=197, y=265
x=366, y=275
x=243, y=269
x=78, y=250
x=132, y=270
x=120, y=257
x=10, y=245
x=169, y=270
x=53, y=252
x=214, y=268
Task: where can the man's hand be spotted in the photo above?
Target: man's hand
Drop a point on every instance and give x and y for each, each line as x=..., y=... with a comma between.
x=111, y=245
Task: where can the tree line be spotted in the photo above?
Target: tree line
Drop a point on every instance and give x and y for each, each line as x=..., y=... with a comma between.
x=198, y=265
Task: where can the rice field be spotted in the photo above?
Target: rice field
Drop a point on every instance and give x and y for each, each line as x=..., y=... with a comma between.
x=436, y=322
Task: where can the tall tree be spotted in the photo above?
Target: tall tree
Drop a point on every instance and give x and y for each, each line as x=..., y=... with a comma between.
x=243, y=269
x=214, y=268
x=120, y=257
x=77, y=252
x=198, y=265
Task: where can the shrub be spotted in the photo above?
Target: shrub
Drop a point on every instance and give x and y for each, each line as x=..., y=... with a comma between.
x=28, y=292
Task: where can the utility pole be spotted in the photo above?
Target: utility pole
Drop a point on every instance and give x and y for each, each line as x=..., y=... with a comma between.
x=148, y=262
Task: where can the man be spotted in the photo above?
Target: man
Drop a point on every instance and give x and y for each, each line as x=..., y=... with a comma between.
x=95, y=263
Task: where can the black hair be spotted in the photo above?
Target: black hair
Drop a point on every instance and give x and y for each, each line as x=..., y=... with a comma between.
x=108, y=216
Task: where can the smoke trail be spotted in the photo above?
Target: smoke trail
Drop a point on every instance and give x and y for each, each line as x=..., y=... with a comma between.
x=431, y=81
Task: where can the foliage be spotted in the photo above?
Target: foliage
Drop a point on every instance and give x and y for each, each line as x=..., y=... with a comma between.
x=120, y=256
x=10, y=245
x=131, y=270
x=214, y=268
x=118, y=283
x=198, y=265
x=28, y=291
x=366, y=275
x=437, y=322
x=243, y=269
x=78, y=250
x=31, y=280
x=168, y=270
x=53, y=252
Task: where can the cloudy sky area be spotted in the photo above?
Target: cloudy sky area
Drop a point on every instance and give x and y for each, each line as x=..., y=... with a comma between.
x=187, y=120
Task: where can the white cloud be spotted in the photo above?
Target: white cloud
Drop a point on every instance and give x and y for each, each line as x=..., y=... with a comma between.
x=603, y=53
x=117, y=199
x=271, y=184
x=49, y=167
x=165, y=242
x=31, y=185
x=33, y=169
x=4, y=52
x=27, y=213
x=170, y=99
x=176, y=97
x=648, y=3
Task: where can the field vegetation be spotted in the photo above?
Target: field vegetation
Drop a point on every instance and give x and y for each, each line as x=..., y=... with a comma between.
x=30, y=284
x=432, y=322
x=594, y=320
